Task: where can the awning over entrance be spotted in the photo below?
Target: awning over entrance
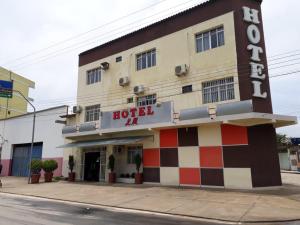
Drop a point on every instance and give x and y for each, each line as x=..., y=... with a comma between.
x=103, y=142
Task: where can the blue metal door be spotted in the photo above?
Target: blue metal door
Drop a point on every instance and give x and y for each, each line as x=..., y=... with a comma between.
x=20, y=161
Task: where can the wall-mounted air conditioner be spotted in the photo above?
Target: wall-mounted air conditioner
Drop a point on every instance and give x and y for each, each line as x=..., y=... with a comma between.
x=124, y=81
x=77, y=109
x=181, y=70
x=139, y=89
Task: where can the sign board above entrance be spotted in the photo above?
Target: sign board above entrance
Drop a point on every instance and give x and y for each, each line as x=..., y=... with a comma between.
x=143, y=115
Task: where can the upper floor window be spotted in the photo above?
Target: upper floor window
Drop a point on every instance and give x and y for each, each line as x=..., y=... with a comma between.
x=119, y=59
x=93, y=76
x=92, y=113
x=132, y=151
x=210, y=39
x=146, y=100
x=218, y=90
x=187, y=89
x=146, y=59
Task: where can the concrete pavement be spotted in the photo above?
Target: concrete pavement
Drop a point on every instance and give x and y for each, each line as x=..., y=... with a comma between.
x=226, y=205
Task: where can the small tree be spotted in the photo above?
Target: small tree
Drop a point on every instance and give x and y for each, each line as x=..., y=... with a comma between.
x=49, y=166
x=111, y=163
x=36, y=166
x=138, y=162
x=71, y=163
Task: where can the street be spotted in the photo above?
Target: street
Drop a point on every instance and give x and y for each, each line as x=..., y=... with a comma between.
x=28, y=210
x=22, y=210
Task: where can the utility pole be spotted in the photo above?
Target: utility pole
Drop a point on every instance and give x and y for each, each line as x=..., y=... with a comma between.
x=32, y=136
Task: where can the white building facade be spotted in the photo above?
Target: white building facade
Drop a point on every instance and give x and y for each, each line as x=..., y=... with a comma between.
x=16, y=134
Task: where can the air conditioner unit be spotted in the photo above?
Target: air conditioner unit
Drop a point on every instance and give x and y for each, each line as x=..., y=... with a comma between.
x=105, y=65
x=138, y=89
x=123, y=81
x=77, y=109
x=181, y=70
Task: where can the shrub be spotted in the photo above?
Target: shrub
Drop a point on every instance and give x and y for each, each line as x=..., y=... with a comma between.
x=111, y=163
x=71, y=163
x=36, y=166
x=138, y=162
x=49, y=166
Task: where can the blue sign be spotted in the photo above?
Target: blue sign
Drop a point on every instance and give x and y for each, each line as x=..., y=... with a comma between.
x=6, y=89
x=295, y=141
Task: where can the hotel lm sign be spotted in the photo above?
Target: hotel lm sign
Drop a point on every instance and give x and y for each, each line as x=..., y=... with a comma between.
x=254, y=38
x=136, y=116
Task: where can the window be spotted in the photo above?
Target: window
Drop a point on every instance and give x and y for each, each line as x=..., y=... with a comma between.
x=146, y=59
x=119, y=59
x=218, y=90
x=146, y=100
x=187, y=89
x=92, y=113
x=132, y=151
x=130, y=100
x=210, y=39
x=93, y=76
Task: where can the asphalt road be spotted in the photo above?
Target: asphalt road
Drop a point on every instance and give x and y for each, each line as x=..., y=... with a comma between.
x=15, y=210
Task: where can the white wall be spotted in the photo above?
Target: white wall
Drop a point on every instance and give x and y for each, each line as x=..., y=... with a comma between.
x=19, y=130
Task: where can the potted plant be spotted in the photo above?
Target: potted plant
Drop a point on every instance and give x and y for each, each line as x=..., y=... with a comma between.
x=36, y=167
x=111, y=166
x=138, y=162
x=49, y=166
x=71, y=163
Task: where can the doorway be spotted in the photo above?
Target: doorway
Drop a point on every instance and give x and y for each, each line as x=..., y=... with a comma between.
x=92, y=166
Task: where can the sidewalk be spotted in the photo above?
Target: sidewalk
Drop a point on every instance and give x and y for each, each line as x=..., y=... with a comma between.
x=239, y=206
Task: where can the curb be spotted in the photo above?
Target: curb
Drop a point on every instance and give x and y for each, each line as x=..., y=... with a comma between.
x=156, y=212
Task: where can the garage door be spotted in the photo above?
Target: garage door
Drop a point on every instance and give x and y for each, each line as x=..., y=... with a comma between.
x=20, y=161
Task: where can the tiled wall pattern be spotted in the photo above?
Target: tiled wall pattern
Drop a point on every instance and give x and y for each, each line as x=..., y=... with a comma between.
x=210, y=155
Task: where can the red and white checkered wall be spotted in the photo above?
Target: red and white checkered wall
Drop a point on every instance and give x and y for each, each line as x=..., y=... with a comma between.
x=210, y=155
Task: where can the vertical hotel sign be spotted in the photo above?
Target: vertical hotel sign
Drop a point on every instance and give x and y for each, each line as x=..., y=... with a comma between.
x=254, y=38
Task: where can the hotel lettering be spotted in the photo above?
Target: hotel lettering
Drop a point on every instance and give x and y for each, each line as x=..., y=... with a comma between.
x=254, y=37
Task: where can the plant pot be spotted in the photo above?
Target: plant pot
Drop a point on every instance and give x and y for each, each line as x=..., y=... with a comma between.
x=48, y=176
x=112, y=178
x=35, y=178
x=138, y=178
x=71, y=177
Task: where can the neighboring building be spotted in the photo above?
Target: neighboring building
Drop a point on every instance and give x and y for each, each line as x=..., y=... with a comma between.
x=16, y=134
x=296, y=153
x=180, y=92
x=15, y=106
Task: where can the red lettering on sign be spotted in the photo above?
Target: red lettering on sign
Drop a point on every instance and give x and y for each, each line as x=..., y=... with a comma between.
x=133, y=112
x=125, y=114
x=135, y=121
x=149, y=110
x=142, y=111
x=116, y=115
x=128, y=122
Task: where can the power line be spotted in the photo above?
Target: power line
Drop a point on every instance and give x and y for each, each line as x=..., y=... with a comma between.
x=190, y=78
x=84, y=33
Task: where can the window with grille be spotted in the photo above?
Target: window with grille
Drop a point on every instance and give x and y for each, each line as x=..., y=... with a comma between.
x=93, y=76
x=92, y=113
x=210, y=39
x=146, y=100
x=218, y=90
x=146, y=59
x=132, y=151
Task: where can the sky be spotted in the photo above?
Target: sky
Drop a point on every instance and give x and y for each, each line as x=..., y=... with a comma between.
x=41, y=40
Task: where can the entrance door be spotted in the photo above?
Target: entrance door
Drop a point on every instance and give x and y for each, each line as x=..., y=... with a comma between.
x=20, y=160
x=92, y=166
